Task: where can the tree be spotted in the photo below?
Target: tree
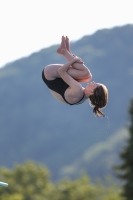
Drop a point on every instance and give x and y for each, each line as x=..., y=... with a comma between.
x=125, y=170
x=30, y=181
x=26, y=182
x=83, y=189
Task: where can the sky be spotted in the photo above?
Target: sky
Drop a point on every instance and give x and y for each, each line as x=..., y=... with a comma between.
x=27, y=26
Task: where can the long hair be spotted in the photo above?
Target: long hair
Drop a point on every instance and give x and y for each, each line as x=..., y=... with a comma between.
x=99, y=100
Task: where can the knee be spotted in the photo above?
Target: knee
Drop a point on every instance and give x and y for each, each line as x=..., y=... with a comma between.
x=87, y=74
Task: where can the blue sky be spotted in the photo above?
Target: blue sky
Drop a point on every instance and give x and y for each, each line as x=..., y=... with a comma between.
x=30, y=25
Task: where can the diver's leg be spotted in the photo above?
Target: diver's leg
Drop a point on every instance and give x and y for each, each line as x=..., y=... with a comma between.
x=51, y=72
x=68, y=45
x=78, y=71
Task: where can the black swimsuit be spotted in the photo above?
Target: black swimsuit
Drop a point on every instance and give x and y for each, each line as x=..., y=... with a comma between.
x=58, y=85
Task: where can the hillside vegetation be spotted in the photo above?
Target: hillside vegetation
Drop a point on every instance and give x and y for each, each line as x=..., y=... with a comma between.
x=35, y=126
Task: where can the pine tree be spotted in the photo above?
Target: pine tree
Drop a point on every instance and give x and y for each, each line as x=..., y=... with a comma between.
x=125, y=170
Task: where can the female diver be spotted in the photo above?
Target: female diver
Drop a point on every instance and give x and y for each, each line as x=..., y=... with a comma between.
x=63, y=80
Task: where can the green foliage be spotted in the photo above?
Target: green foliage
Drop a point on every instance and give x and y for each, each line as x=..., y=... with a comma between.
x=30, y=181
x=26, y=182
x=83, y=189
x=125, y=170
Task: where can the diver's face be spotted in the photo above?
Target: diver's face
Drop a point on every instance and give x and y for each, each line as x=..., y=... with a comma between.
x=91, y=87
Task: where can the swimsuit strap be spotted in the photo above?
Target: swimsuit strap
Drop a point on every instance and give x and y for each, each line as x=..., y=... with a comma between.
x=73, y=103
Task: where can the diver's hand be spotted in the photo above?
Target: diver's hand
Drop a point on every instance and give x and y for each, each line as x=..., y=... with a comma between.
x=78, y=60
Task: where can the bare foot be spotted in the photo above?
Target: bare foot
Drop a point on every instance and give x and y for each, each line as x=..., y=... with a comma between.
x=62, y=46
x=67, y=44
